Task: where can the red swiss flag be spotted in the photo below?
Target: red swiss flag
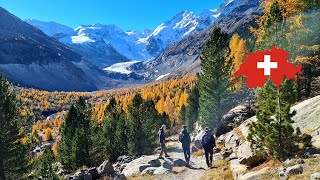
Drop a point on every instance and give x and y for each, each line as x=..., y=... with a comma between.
x=259, y=66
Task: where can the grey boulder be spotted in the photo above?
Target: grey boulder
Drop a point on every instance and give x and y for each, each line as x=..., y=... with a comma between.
x=105, y=168
x=315, y=176
x=296, y=169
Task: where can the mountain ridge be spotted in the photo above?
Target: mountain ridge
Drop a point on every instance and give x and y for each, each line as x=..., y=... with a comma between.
x=136, y=45
x=31, y=58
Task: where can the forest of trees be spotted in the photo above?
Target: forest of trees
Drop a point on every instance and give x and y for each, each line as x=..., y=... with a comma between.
x=86, y=142
x=14, y=151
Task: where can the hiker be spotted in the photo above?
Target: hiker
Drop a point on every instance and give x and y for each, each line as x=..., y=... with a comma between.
x=208, y=143
x=185, y=140
x=162, y=140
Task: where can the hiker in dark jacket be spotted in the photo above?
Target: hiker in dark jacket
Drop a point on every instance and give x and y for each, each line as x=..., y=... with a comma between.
x=185, y=140
x=208, y=143
x=162, y=140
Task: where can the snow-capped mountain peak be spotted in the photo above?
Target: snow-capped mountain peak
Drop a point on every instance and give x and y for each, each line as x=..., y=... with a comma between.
x=136, y=45
x=50, y=28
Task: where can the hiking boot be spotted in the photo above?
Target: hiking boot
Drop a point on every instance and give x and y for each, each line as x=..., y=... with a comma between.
x=167, y=155
x=160, y=157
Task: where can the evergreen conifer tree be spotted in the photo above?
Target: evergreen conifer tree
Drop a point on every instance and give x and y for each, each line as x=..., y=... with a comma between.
x=273, y=132
x=192, y=109
x=143, y=118
x=122, y=134
x=215, y=88
x=109, y=130
x=45, y=168
x=182, y=115
x=13, y=153
x=136, y=120
x=75, y=143
x=67, y=134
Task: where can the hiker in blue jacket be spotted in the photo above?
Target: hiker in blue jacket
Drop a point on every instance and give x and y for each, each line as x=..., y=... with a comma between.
x=208, y=143
x=185, y=140
x=162, y=140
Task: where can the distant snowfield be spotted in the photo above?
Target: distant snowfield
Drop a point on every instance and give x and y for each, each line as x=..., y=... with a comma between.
x=81, y=39
x=121, y=67
x=162, y=76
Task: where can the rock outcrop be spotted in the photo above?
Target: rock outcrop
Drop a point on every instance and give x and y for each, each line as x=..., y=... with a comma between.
x=152, y=165
x=306, y=118
x=197, y=140
x=315, y=176
x=296, y=169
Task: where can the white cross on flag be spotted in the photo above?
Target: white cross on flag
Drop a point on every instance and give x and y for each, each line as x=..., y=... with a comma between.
x=267, y=65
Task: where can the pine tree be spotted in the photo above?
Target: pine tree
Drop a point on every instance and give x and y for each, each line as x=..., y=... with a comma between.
x=273, y=132
x=122, y=134
x=44, y=164
x=142, y=119
x=13, y=153
x=67, y=134
x=192, y=109
x=152, y=122
x=136, y=134
x=109, y=130
x=182, y=115
x=214, y=81
x=75, y=140
x=98, y=149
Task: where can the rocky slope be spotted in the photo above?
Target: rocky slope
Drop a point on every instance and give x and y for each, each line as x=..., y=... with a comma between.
x=29, y=57
x=306, y=118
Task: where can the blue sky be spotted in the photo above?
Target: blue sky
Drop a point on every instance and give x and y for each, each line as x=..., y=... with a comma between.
x=127, y=14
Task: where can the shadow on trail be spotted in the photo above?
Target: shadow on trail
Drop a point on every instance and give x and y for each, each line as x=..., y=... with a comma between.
x=195, y=168
x=174, y=149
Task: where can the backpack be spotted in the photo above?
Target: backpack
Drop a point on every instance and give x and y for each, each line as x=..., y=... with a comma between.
x=207, y=141
x=161, y=136
x=184, y=138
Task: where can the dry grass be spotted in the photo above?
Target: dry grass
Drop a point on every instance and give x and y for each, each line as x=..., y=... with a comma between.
x=239, y=133
x=311, y=165
x=144, y=177
x=270, y=163
x=270, y=174
x=179, y=169
x=198, y=153
x=221, y=172
x=219, y=145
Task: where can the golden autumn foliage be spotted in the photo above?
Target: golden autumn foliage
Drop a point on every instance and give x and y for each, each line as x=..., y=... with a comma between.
x=47, y=124
x=55, y=149
x=38, y=125
x=47, y=135
x=57, y=122
x=238, y=54
x=169, y=96
x=34, y=101
x=34, y=129
x=288, y=8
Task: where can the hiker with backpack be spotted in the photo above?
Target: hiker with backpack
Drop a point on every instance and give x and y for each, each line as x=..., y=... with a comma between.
x=185, y=140
x=208, y=143
x=162, y=140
